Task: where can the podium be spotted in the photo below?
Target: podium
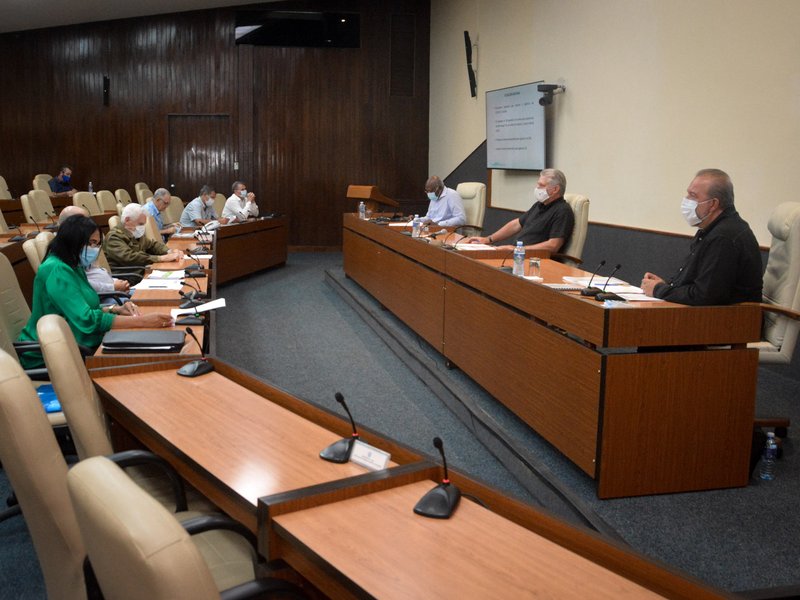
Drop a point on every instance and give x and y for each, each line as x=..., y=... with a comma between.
x=371, y=196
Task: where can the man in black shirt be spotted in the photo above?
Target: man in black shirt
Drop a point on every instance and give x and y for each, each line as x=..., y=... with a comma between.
x=548, y=223
x=724, y=262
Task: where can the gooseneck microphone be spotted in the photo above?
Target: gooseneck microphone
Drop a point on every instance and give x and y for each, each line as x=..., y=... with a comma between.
x=589, y=290
x=603, y=296
x=32, y=220
x=19, y=237
x=339, y=452
x=199, y=271
x=503, y=266
x=198, y=293
x=53, y=226
x=196, y=367
x=441, y=501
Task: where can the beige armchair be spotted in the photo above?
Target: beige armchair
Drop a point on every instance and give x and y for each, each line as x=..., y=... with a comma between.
x=3, y=225
x=219, y=204
x=87, y=201
x=42, y=182
x=473, y=195
x=37, y=206
x=151, y=231
x=571, y=252
x=143, y=195
x=122, y=196
x=4, y=193
x=173, y=212
x=106, y=200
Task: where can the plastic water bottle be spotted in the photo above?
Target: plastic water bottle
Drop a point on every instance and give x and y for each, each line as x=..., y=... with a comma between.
x=416, y=227
x=91, y=188
x=519, y=260
x=767, y=472
x=362, y=211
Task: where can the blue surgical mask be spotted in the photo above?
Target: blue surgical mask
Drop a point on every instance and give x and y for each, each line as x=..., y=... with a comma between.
x=88, y=256
x=432, y=196
x=65, y=178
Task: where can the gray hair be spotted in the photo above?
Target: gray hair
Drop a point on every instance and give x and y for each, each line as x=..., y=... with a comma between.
x=207, y=190
x=556, y=177
x=721, y=186
x=160, y=193
x=236, y=183
x=131, y=211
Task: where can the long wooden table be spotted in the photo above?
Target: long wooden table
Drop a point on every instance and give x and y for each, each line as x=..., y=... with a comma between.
x=253, y=450
x=246, y=248
x=632, y=395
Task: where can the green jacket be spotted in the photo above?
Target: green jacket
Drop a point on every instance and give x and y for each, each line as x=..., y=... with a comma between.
x=61, y=290
x=124, y=250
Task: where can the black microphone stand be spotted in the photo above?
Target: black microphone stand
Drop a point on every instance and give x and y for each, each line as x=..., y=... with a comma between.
x=441, y=501
x=339, y=452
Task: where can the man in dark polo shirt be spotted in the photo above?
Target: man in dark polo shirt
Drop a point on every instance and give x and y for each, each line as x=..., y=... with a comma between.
x=60, y=185
x=724, y=261
x=548, y=223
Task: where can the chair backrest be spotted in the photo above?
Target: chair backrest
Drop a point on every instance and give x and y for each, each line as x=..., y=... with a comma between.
x=219, y=204
x=140, y=185
x=122, y=196
x=473, y=195
x=38, y=473
x=173, y=212
x=29, y=248
x=37, y=205
x=42, y=182
x=782, y=282
x=580, y=208
x=138, y=550
x=143, y=195
x=88, y=201
x=36, y=249
x=151, y=229
x=75, y=390
x=4, y=193
x=14, y=310
x=106, y=200
x=3, y=224
x=113, y=221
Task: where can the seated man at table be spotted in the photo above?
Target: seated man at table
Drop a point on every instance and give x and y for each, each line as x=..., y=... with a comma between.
x=201, y=210
x=100, y=279
x=724, y=261
x=158, y=203
x=60, y=185
x=547, y=225
x=241, y=204
x=126, y=244
x=446, y=207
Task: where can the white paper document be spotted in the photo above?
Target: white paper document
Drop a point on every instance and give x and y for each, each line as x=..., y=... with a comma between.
x=218, y=303
x=158, y=284
x=165, y=275
x=472, y=247
x=596, y=282
x=634, y=297
x=401, y=224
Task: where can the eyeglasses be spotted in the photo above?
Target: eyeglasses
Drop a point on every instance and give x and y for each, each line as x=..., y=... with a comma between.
x=94, y=243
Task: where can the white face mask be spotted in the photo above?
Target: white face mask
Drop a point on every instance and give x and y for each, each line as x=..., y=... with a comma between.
x=138, y=231
x=243, y=193
x=541, y=194
x=209, y=203
x=689, y=211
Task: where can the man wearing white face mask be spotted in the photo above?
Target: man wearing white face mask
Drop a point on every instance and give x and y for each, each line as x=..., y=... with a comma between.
x=724, y=261
x=241, y=204
x=126, y=244
x=446, y=207
x=200, y=211
x=547, y=225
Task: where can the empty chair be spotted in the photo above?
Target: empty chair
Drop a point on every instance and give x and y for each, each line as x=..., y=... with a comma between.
x=474, y=196
x=219, y=204
x=3, y=224
x=106, y=200
x=5, y=194
x=122, y=196
x=36, y=249
x=140, y=185
x=173, y=212
x=42, y=182
x=151, y=229
x=571, y=251
x=143, y=195
x=37, y=206
x=113, y=221
x=87, y=201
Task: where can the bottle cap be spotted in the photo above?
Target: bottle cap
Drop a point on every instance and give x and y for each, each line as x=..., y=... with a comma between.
x=771, y=434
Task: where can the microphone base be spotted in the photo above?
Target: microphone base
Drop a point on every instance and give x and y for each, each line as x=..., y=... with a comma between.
x=338, y=452
x=196, y=368
x=440, y=502
x=507, y=269
x=590, y=291
x=191, y=304
x=609, y=296
x=190, y=320
x=51, y=227
x=194, y=274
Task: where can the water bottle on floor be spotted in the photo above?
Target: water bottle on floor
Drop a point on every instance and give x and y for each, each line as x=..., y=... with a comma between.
x=519, y=260
x=767, y=472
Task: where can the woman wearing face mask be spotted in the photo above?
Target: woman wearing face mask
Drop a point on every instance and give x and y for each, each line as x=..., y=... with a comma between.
x=61, y=288
x=127, y=246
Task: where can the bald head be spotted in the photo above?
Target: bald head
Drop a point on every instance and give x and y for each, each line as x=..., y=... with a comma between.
x=71, y=211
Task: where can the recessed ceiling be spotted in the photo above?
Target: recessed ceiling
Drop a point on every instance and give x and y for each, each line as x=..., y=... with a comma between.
x=21, y=15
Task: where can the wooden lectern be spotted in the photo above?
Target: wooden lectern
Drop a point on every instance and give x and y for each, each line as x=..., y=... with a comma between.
x=371, y=196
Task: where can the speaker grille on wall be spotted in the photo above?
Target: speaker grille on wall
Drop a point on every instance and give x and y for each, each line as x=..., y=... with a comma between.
x=403, y=38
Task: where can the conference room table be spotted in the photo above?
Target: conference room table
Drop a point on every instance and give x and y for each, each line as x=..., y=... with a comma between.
x=253, y=450
x=644, y=397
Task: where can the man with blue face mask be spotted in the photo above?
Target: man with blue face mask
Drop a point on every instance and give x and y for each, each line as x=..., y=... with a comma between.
x=446, y=207
x=60, y=184
x=724, y=261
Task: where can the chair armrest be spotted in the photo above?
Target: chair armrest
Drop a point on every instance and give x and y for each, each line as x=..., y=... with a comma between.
x=131, y=458
x=775, y=308
x=558, y=257
x=119, y=297
x=211, y=522
x=263, y=588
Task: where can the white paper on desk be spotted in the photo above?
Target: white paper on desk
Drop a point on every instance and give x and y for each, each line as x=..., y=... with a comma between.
x=638, y=297
x=165, y=275
x=202, y=256
x=468, y=247
x=401, y=224
x=158, y=284
x=182, y=236
x=596, y=282
x=218, y=303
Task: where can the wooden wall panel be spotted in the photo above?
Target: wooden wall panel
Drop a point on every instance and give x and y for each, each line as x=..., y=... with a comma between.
x=321, y=118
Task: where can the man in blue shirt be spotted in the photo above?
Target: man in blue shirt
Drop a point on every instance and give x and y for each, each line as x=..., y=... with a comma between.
x=201, y=210
x=60, y=184
x=446, y=207
x=159, y=202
